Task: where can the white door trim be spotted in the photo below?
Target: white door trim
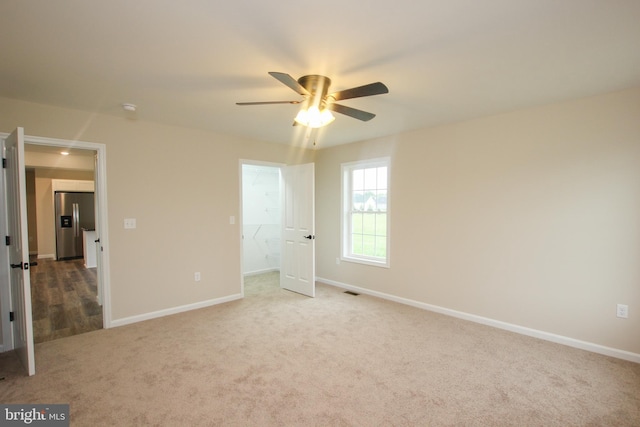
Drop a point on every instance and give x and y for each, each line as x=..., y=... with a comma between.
x=102, y=226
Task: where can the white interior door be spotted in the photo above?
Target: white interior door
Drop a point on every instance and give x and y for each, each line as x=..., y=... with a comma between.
x=297, y=269
x=19, y=250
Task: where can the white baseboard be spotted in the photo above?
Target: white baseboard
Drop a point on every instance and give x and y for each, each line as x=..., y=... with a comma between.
x=46, y=256
x=256, y=272
x=173, y=310
x=559, y=339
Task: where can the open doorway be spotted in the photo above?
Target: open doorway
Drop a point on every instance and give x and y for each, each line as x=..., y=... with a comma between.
x=261, y=224
x=278, y=231
x=294, y=232
x=62, y=248
x=11, y=336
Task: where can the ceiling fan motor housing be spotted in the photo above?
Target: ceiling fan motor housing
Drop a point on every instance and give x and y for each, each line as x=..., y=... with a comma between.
x=317, y=86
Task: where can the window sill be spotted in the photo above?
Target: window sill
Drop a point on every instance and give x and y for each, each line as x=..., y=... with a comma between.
x=383, y=264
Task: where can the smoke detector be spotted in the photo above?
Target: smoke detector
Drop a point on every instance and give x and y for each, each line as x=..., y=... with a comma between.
x=129, y=107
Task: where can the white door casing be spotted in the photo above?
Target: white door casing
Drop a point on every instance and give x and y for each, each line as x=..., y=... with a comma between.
x=19, y=250
x=102, y=221
x=297, y=270
x=98, y=227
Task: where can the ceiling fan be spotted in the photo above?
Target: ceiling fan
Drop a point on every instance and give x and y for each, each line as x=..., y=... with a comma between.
x=317, y=101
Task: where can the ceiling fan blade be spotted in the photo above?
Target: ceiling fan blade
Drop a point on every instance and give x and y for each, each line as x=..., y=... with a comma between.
x=351, y=112
x=360, y=91
x=287, y=80
x=268, y=102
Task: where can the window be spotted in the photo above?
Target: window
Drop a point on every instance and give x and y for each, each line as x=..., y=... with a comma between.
x=365, y=206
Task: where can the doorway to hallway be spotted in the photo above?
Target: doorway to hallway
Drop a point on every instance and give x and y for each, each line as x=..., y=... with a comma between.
x=64, y=274
x=20, y=338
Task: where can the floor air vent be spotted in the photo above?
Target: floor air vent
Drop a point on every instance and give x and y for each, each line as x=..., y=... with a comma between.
x=351, y=293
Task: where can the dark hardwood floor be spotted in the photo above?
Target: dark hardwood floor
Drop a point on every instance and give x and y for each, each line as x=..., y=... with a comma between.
x=63, y=299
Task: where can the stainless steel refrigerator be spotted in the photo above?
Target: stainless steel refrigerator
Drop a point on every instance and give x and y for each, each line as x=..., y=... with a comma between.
x=75, y=212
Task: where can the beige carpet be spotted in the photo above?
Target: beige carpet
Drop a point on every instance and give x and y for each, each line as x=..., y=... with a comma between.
x=282, y=359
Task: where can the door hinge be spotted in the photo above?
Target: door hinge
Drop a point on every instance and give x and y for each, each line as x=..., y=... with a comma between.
x=11, y=316
x=7, y=240
x=4, y=163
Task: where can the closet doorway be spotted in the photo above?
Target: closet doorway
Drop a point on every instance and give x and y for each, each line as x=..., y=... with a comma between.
x=261, y=219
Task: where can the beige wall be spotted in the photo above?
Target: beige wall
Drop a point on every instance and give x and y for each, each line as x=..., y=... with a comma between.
x=181, y=185
x=530, y=218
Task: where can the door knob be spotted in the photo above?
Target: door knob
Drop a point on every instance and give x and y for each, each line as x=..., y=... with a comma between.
x=22, y=265
x=310, y=237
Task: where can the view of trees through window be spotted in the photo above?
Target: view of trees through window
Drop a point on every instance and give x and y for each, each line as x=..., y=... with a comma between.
x=368, y=211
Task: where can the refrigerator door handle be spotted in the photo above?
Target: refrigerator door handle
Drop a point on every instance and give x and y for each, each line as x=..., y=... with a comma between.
x=76, y=220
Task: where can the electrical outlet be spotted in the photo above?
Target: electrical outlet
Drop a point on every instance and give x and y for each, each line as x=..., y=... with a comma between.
x=129, y=223
x=196, y=276
x=622, y=310
x=337, y=261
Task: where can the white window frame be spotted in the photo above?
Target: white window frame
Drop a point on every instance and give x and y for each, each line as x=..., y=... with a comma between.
x=345, y=222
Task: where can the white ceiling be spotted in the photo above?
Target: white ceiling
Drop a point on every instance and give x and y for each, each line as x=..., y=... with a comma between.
x=187, y=62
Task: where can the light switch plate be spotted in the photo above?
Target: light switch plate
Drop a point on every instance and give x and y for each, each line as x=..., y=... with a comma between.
x=622, y=310
x=129, y=223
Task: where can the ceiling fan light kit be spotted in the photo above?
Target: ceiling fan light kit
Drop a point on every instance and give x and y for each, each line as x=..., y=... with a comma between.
x=317, y=101
x=314, y=117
